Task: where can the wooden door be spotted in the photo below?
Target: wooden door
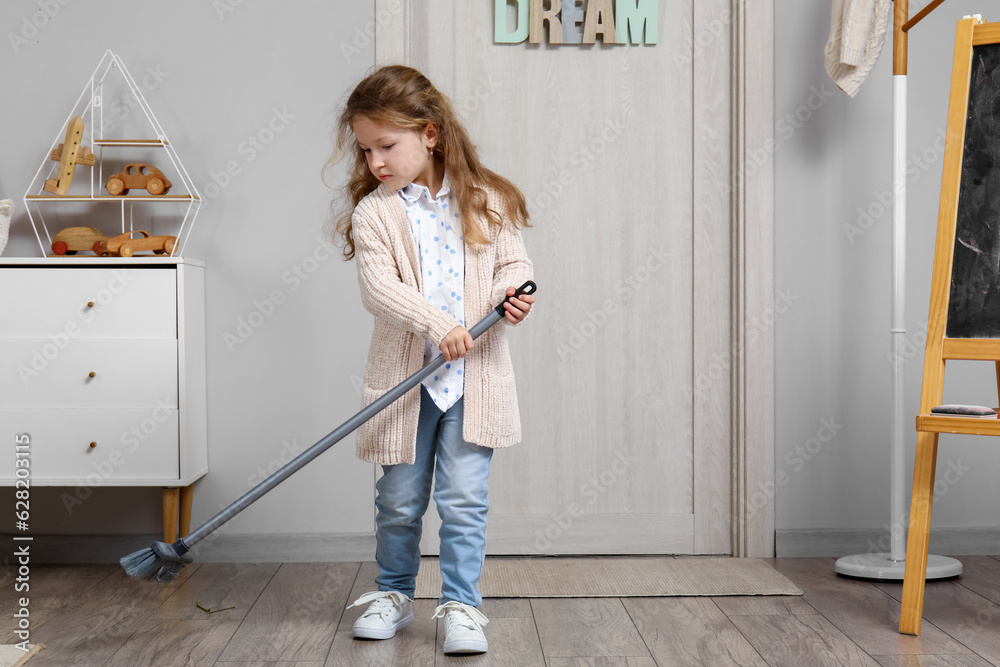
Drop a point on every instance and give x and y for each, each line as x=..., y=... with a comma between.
x=625, y=370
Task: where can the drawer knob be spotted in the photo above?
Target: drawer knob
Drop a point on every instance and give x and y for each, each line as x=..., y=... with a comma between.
x=90, y=304
x=93, y=444
x=92, y=374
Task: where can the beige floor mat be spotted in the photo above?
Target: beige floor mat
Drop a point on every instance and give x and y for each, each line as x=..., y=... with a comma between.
x=617, y=576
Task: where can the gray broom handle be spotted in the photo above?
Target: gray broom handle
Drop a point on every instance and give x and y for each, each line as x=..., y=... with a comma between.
x=345, y=429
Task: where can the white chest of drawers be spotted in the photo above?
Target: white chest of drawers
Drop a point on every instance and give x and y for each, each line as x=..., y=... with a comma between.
x=102, y=364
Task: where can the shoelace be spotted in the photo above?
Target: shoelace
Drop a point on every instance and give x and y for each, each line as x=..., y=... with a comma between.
x=469, y=617
x=382, y=602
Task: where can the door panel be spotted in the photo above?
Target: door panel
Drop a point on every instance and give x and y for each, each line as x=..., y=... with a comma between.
x=624, y=366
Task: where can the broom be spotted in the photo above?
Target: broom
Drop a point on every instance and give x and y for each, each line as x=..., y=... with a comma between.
x=161, y=562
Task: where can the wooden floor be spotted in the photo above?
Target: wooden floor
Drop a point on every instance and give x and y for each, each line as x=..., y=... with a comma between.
x=293, y=614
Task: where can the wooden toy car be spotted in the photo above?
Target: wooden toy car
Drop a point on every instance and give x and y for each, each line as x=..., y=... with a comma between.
x=124, y=245
x=68, y=241
x=138, y=175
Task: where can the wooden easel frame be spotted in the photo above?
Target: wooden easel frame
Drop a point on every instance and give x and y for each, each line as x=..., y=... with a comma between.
x=940, y=348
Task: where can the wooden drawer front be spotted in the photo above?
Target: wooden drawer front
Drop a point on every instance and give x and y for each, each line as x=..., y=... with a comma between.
x=53, y=303
x=133, y=446
x=129, y=373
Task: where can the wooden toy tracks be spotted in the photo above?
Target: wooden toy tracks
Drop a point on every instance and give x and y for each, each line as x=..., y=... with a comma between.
x=964, y=319
x=69, y=154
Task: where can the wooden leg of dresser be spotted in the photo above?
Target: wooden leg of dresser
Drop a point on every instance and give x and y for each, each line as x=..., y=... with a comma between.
x=187, y=498
x=170, y=502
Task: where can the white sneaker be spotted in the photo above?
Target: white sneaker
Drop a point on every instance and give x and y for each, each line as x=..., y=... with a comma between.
x=463, y=628
x=389, y=611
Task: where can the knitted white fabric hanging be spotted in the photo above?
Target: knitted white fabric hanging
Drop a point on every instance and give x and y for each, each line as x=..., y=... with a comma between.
x=6, y=210
x=857, y=33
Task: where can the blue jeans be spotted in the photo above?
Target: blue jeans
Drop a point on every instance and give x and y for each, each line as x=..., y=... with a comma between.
x=460, y=471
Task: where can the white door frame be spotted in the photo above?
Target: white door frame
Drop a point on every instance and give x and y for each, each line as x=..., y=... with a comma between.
x=753, y=486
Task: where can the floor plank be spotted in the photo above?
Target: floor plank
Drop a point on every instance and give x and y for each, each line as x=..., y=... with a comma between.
x=51, y=589
x=631, y=661
x=804, y=639
x=296, y=616
x=506, y=608
x=175, y=643
x=981, y=574
x=586, y=627
x=967, y=616
x=763, y=605
x=931, y=661
x=689, y=631
x=217, y=586
x=862, y=611
x=91, y=629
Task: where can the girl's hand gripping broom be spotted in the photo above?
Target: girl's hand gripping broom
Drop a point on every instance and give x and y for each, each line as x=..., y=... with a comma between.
x=161, y=562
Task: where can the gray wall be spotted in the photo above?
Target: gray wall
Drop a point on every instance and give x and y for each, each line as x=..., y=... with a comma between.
x=295, y=377
x=833, y=169
x=223, y=76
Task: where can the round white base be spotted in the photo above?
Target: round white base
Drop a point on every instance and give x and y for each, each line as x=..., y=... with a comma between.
x=882, y=566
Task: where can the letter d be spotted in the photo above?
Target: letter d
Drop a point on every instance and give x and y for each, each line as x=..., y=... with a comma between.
x=501, y=35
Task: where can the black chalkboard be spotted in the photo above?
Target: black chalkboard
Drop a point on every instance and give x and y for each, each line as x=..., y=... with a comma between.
x=974, y=302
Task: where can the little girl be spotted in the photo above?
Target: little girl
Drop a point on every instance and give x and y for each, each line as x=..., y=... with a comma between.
x=438, y=243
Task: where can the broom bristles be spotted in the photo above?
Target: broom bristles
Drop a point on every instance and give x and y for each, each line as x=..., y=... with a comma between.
x=160, y=562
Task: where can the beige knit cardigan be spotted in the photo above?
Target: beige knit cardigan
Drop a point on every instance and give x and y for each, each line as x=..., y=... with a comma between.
x=391, y=290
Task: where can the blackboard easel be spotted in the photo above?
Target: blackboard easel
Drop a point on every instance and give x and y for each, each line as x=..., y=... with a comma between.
x=964, y=320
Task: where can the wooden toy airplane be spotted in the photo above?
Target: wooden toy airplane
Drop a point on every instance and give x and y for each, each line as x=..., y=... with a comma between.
x=70, y=154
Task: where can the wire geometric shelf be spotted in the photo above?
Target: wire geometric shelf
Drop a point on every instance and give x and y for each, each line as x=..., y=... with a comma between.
x=90, y=105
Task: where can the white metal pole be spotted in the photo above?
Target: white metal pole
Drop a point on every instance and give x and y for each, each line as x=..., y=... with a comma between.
x=892, y=565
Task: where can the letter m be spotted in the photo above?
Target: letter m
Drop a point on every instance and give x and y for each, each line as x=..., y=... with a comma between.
x=631, y=16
